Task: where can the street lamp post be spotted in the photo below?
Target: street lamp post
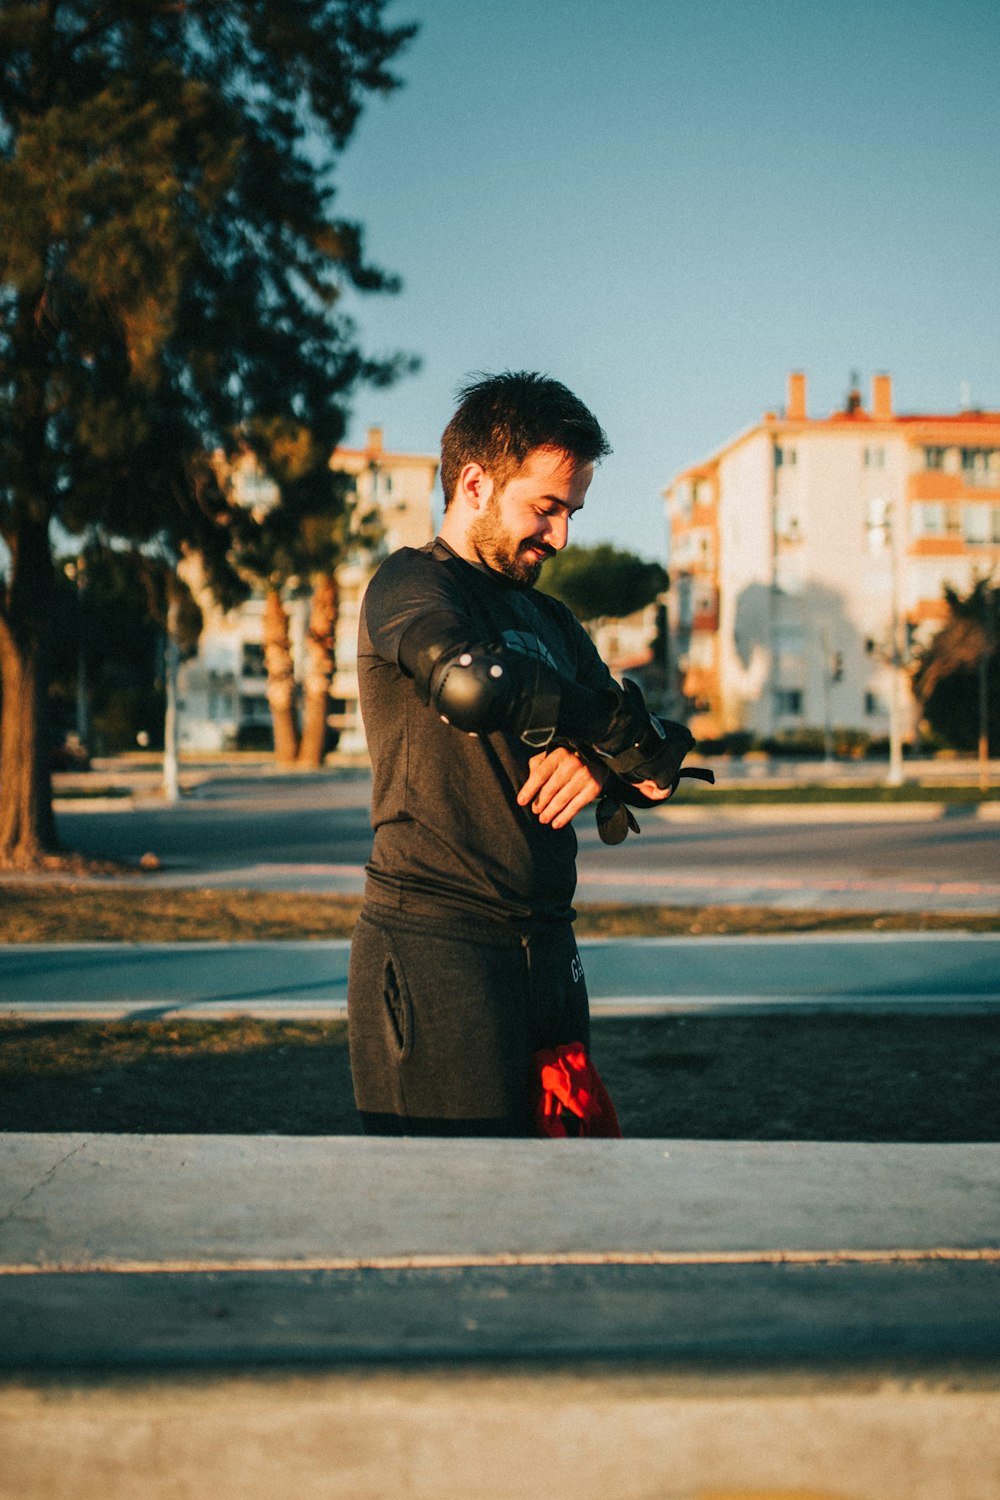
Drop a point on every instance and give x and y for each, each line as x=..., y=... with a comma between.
x=895, y=776
x=982, y=672
x=76, y=572
x=827, y=659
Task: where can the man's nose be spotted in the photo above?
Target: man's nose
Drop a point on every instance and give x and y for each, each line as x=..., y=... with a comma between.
x=556, y=531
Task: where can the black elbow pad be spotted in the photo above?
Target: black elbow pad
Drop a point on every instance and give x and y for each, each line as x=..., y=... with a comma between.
x=473, y=690
x=479, y=688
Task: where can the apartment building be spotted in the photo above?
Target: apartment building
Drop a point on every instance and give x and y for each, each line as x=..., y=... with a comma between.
x=222, y=692
x=809, y=554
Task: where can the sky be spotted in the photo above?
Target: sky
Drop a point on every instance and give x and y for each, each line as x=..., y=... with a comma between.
x=669, y=204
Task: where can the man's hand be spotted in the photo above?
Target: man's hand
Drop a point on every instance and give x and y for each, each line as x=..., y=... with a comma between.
x=654, y=791
x=560, y=785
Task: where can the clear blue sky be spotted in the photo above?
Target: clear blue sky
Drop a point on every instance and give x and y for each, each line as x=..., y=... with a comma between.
x=668, y=204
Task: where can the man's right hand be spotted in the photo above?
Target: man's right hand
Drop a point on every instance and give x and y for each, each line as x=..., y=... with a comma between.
x=560, y=784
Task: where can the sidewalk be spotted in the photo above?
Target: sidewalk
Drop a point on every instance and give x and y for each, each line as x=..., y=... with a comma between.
x=348, y=1317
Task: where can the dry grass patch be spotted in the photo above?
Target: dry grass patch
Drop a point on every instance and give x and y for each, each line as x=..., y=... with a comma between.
x=87, y=912
x=91, y=913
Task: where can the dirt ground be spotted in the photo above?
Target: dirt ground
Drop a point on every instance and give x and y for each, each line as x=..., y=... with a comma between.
x=764, y=1077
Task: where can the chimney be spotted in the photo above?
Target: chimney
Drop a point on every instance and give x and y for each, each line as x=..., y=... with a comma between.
x=882, y=397
x=796, y=406
x=375, y=441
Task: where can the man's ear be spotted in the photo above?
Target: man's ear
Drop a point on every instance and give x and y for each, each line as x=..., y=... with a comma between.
x=475, y=486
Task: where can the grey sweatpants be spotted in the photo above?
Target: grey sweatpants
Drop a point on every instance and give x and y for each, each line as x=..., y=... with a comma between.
x=446, y=1016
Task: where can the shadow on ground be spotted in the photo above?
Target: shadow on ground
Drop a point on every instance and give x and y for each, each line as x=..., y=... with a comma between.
x=765, y=1077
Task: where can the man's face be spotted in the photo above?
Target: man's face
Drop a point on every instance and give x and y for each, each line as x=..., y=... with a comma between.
x=527, y=521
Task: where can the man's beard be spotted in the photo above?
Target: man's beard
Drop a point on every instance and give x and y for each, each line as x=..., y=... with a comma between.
x=498, y=549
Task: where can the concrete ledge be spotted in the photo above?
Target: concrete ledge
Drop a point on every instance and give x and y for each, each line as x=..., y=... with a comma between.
x=165, y=1251
x=120, y=1202
x=903, y=1318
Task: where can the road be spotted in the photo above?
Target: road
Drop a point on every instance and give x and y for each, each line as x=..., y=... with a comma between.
x=876, y=971
x=312, y=833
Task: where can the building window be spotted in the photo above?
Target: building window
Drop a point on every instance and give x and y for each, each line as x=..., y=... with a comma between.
x=682, y=499
x=874, y=458
x=934, y=457
x=220, y=706
x=787, y=701
x=937, y=519
x=785, y=457
x=252, y=663
x=976, y=522
x=979, y=466
x=255, y=710
x=876, y=706
x=930, y=519
x=996, y=523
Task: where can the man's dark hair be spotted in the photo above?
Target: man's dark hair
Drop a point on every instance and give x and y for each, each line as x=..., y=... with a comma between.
x=500, y=419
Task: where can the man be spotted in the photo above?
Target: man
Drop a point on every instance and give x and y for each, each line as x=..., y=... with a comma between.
x=492, y=722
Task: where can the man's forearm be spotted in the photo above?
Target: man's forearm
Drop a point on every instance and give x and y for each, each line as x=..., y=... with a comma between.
x=480, y=687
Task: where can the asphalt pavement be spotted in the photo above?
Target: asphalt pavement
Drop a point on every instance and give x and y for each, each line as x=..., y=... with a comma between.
x=312, y=833
x=871, y=971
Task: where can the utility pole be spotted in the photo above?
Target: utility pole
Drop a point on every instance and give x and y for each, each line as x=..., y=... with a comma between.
x=171, y=781
x=828, y=670
x=984, y=722
x=895, y=776
x=983, y=669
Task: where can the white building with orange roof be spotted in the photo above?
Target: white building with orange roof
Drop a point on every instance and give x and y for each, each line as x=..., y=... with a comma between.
x=809, y=552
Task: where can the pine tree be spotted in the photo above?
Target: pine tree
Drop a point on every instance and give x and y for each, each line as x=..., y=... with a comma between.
x=957, y=680
x=170, y=271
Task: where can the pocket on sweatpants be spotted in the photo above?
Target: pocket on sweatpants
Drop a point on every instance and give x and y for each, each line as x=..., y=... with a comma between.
x=397, y=1005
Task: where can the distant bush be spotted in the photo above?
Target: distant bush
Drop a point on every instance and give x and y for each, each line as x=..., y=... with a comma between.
x=738, y=742
x=254, y=737
x=810, y=744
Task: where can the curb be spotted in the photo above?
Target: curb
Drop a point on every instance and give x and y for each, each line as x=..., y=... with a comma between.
x=827, y=812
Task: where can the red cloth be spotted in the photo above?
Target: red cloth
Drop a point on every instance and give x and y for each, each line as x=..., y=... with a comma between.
x=570, y=1092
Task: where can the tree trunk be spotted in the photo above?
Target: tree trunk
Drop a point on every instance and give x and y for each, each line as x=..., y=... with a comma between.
x=27, y=826
x=321, y=646
x=280, y=679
